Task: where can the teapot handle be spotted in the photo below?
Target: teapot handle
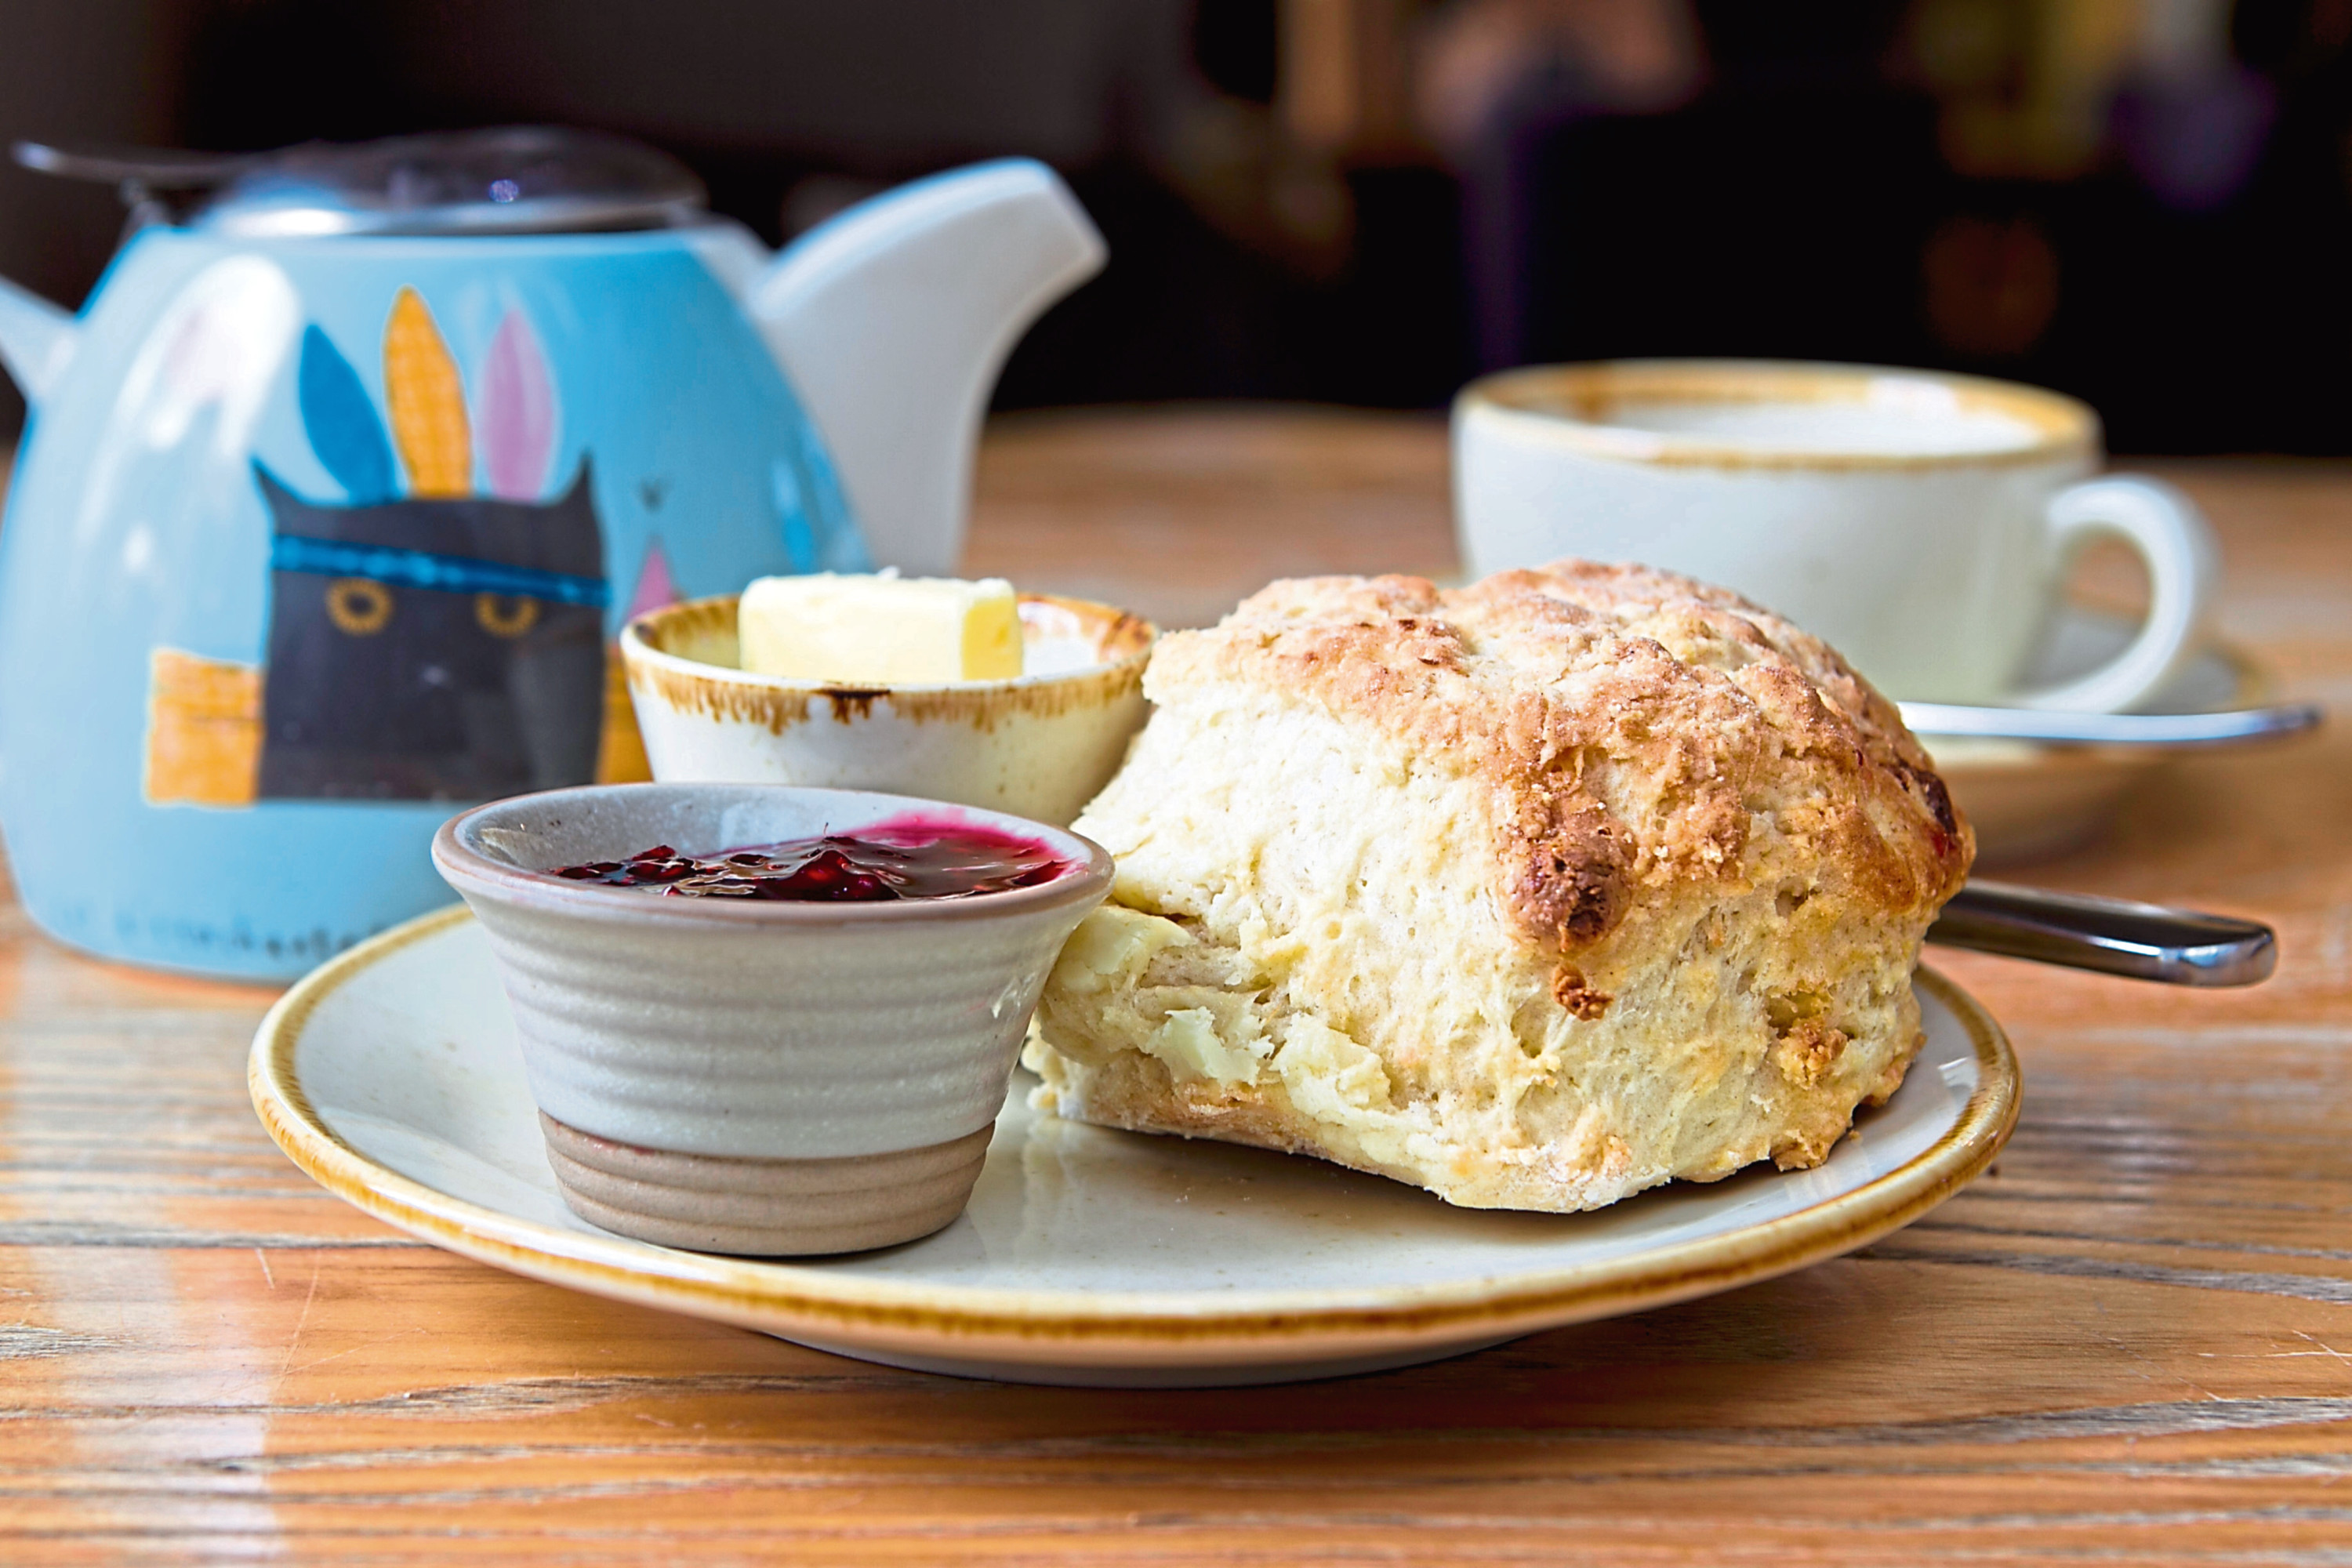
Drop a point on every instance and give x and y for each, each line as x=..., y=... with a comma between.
x=891, y=322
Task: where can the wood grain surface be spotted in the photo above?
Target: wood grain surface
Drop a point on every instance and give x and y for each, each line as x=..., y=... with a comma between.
x=2131, y=1342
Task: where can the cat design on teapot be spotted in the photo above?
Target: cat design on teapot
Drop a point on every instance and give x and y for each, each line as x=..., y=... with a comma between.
x=427, y=642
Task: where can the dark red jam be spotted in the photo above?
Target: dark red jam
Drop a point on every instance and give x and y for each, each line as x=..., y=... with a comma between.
x=910, y=858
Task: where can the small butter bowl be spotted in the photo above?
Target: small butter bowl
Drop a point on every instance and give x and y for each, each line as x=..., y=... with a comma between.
x=762, y=1077
x=1038, y=745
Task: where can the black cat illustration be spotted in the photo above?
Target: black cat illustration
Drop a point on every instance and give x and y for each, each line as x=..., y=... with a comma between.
x=443, y=648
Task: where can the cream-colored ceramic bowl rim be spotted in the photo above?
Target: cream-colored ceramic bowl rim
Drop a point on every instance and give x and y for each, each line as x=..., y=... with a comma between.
x=479, y=876
x=1065, y=1327
x=637, y=650
x=1564, y=402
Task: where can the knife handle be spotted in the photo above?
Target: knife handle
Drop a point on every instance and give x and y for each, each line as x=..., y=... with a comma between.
x=2111, y=936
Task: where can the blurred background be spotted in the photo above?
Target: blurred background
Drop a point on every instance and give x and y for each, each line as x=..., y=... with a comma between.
x=2146, y=203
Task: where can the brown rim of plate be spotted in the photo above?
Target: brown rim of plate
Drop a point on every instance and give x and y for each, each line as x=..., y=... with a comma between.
x=1101, y=1327
x=1120, y=639
x=1567, y=403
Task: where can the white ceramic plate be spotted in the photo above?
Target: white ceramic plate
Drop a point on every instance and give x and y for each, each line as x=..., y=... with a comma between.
x=2029, y=801
x=1088, y=1256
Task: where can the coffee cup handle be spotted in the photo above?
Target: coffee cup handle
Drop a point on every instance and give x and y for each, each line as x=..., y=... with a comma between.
x=2183, y=572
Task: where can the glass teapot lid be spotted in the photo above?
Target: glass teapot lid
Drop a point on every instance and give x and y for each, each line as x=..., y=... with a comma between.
x=509, y=180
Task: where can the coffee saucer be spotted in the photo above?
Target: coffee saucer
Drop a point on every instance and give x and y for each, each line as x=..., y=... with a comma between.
x=391, y=1074
x=2029, y=799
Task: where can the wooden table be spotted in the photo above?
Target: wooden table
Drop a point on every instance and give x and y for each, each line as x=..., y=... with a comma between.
x=2132, y=1340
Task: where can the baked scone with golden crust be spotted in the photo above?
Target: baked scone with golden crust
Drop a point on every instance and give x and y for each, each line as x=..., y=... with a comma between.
x=1534, y=894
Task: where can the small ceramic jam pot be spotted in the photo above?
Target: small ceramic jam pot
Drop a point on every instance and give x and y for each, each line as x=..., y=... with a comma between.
x=1039, y=744
x=761, y=1075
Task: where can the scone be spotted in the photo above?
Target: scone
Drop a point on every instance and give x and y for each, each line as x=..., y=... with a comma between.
x=1535, y=894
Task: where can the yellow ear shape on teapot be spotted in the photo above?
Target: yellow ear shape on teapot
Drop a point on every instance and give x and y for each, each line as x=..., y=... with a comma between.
x=426, y=400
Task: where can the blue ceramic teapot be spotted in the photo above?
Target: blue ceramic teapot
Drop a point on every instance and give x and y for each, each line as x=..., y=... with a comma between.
x=336, y=493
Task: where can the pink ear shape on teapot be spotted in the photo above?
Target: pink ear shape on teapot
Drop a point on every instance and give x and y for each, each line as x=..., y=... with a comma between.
x=516, y=419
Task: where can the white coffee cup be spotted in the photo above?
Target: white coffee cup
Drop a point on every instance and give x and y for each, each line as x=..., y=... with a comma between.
x=1923, y=524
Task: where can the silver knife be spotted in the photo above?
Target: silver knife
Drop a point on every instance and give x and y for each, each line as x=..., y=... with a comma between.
x=2113, y=936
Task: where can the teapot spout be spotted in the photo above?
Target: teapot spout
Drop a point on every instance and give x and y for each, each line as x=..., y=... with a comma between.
x=892, y=320
x=37, y=340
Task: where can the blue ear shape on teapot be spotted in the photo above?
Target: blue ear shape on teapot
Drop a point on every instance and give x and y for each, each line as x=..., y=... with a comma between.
x=341, y=422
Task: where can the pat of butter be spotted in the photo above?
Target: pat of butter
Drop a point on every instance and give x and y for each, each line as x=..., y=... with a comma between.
x=880, y=630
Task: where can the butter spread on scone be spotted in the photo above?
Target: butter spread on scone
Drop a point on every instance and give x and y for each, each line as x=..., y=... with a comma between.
x=1534, y=894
